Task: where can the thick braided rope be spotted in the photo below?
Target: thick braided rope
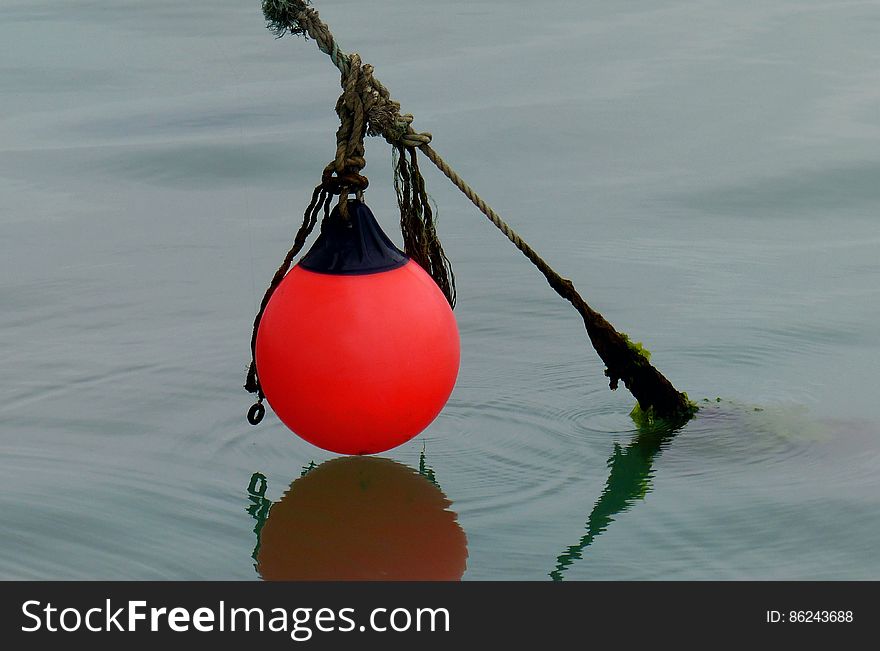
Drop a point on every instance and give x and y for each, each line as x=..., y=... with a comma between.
x=296, y=17
x=352, y=118
x=650, y=387
x=493, y=216
x=386, y=118
x=647, y=384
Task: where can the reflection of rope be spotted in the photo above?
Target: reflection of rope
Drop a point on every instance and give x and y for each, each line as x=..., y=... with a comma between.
x=629, y=480
x=366, y=107
x=425, y=470
x=259, y=507
x=320, y=199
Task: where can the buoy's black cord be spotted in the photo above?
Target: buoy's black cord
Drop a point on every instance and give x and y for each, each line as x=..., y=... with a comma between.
x=320, y=199
x=256, y=412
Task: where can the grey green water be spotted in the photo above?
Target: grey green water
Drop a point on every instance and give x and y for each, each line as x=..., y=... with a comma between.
x=707, y=173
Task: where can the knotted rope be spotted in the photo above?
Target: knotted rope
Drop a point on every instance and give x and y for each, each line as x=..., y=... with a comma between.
x=352, y=108
x=366, y=107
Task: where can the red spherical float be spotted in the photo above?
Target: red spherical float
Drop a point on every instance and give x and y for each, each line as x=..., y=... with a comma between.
x=357, y=350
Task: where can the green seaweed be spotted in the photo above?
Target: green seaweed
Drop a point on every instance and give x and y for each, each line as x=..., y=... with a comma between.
x=643, y=418
x=637, y=347
x=646, y=419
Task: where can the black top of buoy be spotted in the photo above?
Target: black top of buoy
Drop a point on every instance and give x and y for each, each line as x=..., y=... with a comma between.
x=352, y=246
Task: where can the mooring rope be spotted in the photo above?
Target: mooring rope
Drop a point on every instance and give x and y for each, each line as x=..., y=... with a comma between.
x=366, y=107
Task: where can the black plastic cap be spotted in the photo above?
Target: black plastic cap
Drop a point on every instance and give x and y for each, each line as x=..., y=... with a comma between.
x=352, y=246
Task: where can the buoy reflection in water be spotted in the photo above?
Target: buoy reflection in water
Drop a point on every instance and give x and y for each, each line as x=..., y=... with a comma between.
x=358, y=518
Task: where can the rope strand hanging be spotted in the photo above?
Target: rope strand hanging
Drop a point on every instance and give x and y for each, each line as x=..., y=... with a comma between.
x=366, y=108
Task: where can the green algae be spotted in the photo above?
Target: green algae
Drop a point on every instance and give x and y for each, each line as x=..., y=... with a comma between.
x=637, y=347
x=646, y=419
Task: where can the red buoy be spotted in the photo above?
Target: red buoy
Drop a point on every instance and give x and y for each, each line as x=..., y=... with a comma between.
x=357, y=350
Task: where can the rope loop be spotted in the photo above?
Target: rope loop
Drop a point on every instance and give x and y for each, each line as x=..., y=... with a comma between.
x=343, y=184
x=256, y=412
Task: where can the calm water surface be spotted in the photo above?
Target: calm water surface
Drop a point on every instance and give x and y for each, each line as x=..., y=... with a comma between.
x=708, y=176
